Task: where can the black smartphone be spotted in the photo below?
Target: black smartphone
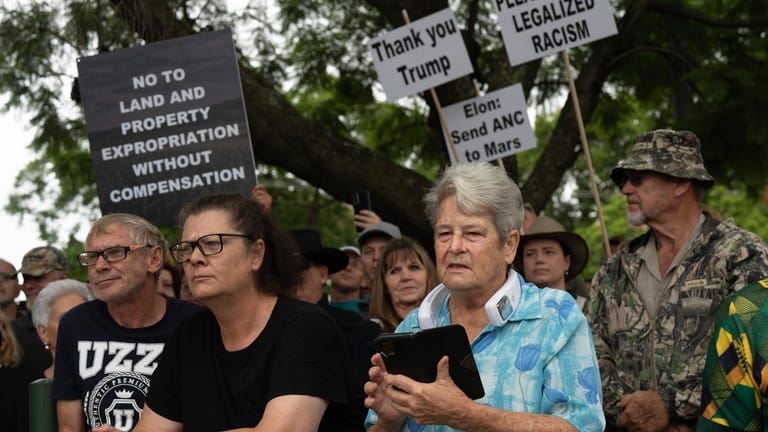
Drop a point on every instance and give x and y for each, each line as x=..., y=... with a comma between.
x=416, y=355
x=361, y=201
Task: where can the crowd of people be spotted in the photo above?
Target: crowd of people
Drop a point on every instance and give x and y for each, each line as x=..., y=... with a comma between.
x=242, y=325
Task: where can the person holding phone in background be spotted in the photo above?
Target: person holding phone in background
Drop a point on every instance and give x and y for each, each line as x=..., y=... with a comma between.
x=372, y=242
x=532, y=346
x=364, y=215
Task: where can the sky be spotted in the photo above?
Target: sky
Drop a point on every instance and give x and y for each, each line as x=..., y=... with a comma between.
x=18, y=236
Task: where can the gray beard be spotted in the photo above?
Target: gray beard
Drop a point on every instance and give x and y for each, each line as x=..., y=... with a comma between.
x=637, y=219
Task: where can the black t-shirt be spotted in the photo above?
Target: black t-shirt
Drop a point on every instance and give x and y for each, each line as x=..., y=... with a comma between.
x=35, y=358
x=358, y=333
x=14, y=399
x=207, y=388
x=107, y=366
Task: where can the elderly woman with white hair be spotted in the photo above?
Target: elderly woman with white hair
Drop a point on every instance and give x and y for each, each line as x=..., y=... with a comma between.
x=57, y=298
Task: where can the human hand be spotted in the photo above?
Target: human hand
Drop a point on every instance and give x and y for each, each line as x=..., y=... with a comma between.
x=678, y=427
x=643, y=411
x=428, y=403
x=366, y=218
x=105, y=428
x=376, y=395
x=260, y=195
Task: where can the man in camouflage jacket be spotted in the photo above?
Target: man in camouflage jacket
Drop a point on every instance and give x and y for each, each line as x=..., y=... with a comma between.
x=652, y=303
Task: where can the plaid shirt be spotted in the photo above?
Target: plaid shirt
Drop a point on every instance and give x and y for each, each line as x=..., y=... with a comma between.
x=737, y=364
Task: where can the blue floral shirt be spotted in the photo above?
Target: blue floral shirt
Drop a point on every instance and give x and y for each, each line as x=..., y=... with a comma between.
x=542, y=360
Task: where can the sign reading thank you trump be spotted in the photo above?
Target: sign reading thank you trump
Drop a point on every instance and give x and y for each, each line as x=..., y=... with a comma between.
x=420, y=55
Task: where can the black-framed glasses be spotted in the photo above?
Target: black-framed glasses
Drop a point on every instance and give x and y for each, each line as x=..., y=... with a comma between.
x=208, y=245
x=110, y=255
x=9, y=276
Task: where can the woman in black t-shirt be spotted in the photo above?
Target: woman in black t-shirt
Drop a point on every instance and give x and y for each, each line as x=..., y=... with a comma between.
x=253, y=357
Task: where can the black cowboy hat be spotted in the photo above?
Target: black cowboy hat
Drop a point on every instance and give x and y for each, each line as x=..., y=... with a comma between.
x=311, y=248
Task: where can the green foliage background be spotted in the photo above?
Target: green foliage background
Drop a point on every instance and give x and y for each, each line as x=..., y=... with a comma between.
x=690, y=64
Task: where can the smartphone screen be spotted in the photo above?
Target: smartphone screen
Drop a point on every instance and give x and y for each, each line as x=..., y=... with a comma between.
x=417, y=354
x=361, y=201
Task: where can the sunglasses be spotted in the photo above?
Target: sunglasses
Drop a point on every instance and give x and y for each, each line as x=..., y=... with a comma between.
x=635, y=178
x=9, y=276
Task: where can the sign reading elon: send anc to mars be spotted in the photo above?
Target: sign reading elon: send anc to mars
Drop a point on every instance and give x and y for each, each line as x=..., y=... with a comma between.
x=490, y=127
x=166, y=124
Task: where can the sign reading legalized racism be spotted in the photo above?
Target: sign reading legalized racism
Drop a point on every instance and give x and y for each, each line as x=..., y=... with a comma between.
x=420, y=55
x=490, y=127
x=535, y=29
x=166, y=124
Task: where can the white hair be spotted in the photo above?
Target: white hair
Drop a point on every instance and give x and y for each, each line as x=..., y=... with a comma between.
x=41, y=308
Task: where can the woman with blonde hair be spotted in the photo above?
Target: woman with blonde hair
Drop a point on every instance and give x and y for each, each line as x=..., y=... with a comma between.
x=10, y=350
x=404, y=275
x=14, y=405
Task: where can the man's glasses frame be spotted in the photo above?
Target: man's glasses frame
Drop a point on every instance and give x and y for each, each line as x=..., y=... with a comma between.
x=209, y=244
x=110, y=254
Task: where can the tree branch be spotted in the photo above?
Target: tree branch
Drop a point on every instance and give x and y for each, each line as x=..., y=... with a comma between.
x=687, y=14
x=282, y=137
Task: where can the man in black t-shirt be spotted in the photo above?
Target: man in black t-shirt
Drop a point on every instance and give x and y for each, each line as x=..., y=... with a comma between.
x=108, y=348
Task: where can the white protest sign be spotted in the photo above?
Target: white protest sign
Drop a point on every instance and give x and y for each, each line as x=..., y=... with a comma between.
x=420, y=55
x=490, y=127
x=540, y=28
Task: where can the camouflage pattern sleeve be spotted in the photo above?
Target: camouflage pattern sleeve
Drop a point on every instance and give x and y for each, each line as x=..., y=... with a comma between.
x=748, y=261
x=596, y=311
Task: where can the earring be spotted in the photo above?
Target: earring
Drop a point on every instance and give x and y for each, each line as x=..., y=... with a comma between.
x=46, y=346
x=566, y=272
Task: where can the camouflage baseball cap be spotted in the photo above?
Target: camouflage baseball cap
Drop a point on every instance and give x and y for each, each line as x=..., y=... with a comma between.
x=675, y=153
x=42, y=260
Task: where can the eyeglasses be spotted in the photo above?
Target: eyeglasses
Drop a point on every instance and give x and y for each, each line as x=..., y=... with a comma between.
x=635, y=178
x=208, y=245
x=110, y=255
x=9, y=276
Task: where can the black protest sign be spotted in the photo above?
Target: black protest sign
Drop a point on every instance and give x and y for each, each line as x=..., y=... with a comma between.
x=166, y=124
